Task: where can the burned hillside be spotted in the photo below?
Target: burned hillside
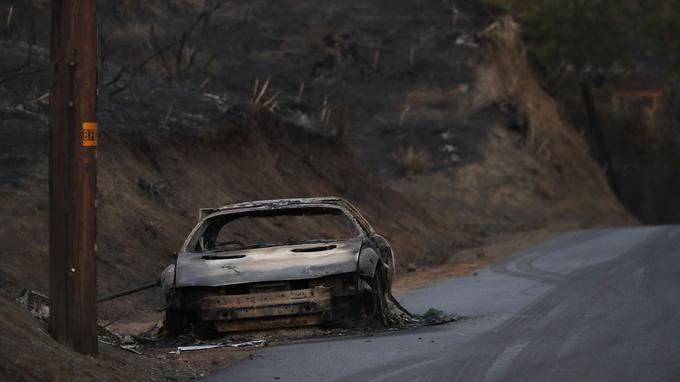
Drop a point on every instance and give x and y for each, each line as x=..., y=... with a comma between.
x=154, y=177
x=426, y=115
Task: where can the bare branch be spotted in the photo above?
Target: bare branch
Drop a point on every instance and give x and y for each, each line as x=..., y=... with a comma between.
x=140, y=67
x=20, y=74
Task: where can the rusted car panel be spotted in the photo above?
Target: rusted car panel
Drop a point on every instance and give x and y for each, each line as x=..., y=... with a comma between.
x=237, y=311
x=233, y=286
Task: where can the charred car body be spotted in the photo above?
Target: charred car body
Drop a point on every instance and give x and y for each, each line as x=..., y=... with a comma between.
x=277, y=263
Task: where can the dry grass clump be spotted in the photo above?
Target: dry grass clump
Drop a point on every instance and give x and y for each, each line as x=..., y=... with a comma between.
x=326, y=112
x=412, y=160
x=262, y=99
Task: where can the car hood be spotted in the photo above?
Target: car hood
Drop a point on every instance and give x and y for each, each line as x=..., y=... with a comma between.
x=291, y=262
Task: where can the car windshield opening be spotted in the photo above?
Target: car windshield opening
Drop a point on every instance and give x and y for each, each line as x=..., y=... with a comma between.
x=269, y=228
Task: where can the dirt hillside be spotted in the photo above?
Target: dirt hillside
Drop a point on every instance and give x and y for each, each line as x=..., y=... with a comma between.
x=533, y=169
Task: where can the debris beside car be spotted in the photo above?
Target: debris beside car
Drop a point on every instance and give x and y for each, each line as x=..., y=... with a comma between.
x=253, y=343
x=198, y=347
x=435, y=316
x=36, y=303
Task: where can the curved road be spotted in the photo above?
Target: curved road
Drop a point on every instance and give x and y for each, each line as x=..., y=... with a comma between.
x=585, y=306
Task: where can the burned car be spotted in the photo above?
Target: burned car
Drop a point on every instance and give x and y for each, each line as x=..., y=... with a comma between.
x=275, y=264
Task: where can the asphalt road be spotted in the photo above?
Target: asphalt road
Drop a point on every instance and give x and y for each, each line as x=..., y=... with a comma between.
x=585, y=306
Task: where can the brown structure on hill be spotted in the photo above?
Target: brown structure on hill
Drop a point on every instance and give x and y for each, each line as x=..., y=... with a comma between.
x=643, y=90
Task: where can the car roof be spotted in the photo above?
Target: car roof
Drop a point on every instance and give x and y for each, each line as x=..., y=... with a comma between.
x=274, y=204
x=279, y=203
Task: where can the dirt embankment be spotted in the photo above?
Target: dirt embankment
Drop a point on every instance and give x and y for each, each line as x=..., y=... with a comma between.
x=533, y=171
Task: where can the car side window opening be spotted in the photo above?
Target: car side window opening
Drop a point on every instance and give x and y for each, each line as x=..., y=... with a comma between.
x=268, y=228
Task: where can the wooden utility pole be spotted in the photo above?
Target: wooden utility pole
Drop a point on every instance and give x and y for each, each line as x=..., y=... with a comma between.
x=73, y=140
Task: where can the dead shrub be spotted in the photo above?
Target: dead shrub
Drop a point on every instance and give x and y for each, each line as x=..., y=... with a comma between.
x=412, y=160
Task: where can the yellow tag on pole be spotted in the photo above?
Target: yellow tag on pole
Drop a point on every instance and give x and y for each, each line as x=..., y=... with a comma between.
x=90, y=134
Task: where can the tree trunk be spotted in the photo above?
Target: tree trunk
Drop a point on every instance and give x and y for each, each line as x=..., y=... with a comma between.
x=598, y=143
